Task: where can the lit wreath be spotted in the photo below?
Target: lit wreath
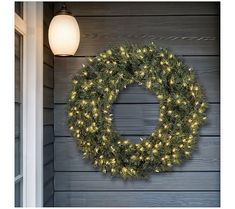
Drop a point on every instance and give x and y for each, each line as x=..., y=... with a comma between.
x=96, y=87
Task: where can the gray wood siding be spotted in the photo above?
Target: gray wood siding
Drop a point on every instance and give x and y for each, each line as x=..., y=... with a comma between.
x=181, y=34
x=48, y=108
x=174, y=181
x=205, y=158
x=137, y=199
x=140, y=9
x=18, y=151
x=191, y=31
x=206, y=69
x=140, y=119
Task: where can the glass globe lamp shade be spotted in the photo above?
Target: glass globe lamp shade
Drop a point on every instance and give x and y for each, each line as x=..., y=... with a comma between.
x=64, y=34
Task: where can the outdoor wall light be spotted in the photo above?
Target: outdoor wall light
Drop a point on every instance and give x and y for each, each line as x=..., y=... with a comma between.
x=64, y=33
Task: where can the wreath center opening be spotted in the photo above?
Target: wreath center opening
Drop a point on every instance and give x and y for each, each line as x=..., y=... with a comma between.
x=135, y=113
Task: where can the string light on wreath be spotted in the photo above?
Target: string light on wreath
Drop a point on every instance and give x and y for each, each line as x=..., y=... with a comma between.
x=96, y=87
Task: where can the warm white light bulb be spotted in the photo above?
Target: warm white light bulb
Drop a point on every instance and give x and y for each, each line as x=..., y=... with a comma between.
x=64, y=35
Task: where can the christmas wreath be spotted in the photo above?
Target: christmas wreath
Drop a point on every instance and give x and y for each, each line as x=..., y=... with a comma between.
x=96, y=87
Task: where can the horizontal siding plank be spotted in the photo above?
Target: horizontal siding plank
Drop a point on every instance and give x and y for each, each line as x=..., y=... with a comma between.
x=140, y=8
x=142, y=119
x=18, y=40
x=48, y=172
x=48, y=153
x=17, y=80
x=137, y=199
x=206, y=157
x=48, y=57
x=17, y=120
x=45, y=35
x=48, y=12
x=191, y=181
x=48, y=97
x=48, y=76
x=48, y=118
x=206, y=69
x=48, y=134
x=48, y=191
x=194, y=35
x=18, y=152
x=50, y=202
x=138, y=119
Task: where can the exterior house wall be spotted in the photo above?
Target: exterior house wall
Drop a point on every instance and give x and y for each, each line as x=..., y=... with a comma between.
x=191, y=31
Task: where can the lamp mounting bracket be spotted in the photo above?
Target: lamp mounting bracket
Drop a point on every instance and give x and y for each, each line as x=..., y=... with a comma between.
x=63, y=10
